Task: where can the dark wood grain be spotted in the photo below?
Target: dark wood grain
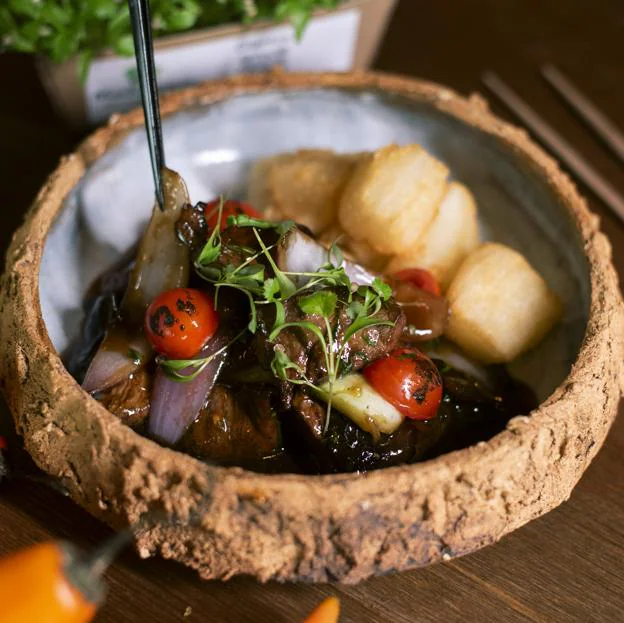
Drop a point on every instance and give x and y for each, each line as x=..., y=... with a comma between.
x=566, y=566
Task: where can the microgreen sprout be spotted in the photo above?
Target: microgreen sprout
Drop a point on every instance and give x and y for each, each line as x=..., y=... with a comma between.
x=178, y=369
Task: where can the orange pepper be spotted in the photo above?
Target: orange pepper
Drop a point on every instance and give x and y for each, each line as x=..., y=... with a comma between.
x=35, y=589
x=327, y=612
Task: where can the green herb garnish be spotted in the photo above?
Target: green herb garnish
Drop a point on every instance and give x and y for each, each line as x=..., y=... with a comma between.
x=173, y=367
x=323, y=304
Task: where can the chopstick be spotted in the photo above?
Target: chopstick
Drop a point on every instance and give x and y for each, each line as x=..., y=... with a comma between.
x=577, y=163
x=144, y=52
x=586, y=109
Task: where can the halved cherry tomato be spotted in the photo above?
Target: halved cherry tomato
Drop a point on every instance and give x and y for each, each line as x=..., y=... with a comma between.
x=179, y=322
x=421, y=278
x=230, y=208
x=409, y=380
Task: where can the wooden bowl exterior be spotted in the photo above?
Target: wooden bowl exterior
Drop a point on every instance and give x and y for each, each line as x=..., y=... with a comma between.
x=343, y=527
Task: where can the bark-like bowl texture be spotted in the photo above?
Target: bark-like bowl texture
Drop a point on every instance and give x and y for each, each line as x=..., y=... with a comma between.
x=290, y=527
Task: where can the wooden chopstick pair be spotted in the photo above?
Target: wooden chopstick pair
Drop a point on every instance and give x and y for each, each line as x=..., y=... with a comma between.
x=588, y=111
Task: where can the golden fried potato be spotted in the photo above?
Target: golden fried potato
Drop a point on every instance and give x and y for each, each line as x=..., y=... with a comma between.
x=258, y=187
x=500, y=306
x=362, y=253
x=453, y=234
x=306, y=186
x=392, y=198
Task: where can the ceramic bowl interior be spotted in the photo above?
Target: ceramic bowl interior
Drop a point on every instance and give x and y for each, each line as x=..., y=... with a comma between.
x=213, y=147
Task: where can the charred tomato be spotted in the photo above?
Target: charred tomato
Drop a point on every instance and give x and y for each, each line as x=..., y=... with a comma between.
x=409, y=380
x=179, y=322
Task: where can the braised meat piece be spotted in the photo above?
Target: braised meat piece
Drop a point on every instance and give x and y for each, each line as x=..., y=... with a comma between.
x=238, y=426
x=305, y=349
x=191, y=227
x=130, y=399
x=469, y=412
x=311, y=413
x=345, y=447
x=237, y=243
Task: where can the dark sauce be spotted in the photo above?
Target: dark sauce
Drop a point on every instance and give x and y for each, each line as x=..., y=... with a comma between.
x=469, y=413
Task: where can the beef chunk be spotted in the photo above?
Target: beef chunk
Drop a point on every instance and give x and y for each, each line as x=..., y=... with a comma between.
x=191, y=227
x=130, y=399
x=312, y=414
x=237, y=243
x=236, y=427
x=305, y=349
x=347, y=448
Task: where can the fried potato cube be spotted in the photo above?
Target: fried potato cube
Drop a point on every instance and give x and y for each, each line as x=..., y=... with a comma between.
x=258, y=193
x=453, y=234
x=392, y=198
x=306, y=186
x=500, y=306
x=362, y=253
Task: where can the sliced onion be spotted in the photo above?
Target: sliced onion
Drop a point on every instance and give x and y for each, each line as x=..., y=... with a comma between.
x=162, y=263
x=300, y=253
x=355, y=398
x=358, y=274
x=175, y=404
x=112, y=364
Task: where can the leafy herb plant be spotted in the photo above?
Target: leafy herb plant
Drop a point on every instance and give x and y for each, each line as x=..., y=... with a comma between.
x=61, y=29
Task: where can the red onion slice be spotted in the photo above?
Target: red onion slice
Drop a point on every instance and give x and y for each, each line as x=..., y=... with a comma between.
x=176, y=404
x=162, y=263
x=112, y=364
x=358, y=274
x=299, y=253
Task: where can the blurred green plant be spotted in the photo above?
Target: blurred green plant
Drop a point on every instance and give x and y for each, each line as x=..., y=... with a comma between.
x=61, y=29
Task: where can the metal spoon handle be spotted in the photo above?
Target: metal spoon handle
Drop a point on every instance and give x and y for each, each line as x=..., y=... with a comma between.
x=144, y=53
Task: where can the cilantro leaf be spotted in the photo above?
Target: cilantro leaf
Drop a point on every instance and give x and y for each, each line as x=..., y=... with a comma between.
x=383, y=290
x=271, y=289
x=321, y=303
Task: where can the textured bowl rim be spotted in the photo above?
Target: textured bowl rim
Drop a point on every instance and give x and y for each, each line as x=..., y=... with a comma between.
x=343, y=527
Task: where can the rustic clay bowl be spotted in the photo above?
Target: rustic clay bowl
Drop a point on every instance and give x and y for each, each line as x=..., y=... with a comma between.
x=291, y=527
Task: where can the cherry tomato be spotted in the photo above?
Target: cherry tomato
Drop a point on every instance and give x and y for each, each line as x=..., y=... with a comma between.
x=421, y=278
x=179, y=322
x=409, y=380
x=230, y=208
x=3, y=443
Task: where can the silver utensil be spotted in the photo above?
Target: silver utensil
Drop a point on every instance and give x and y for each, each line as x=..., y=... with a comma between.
x=577, y=163
x=144, y=53
x=586, y=109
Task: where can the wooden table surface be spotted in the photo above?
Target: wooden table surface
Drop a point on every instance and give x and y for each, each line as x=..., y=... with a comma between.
x=566, y=566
